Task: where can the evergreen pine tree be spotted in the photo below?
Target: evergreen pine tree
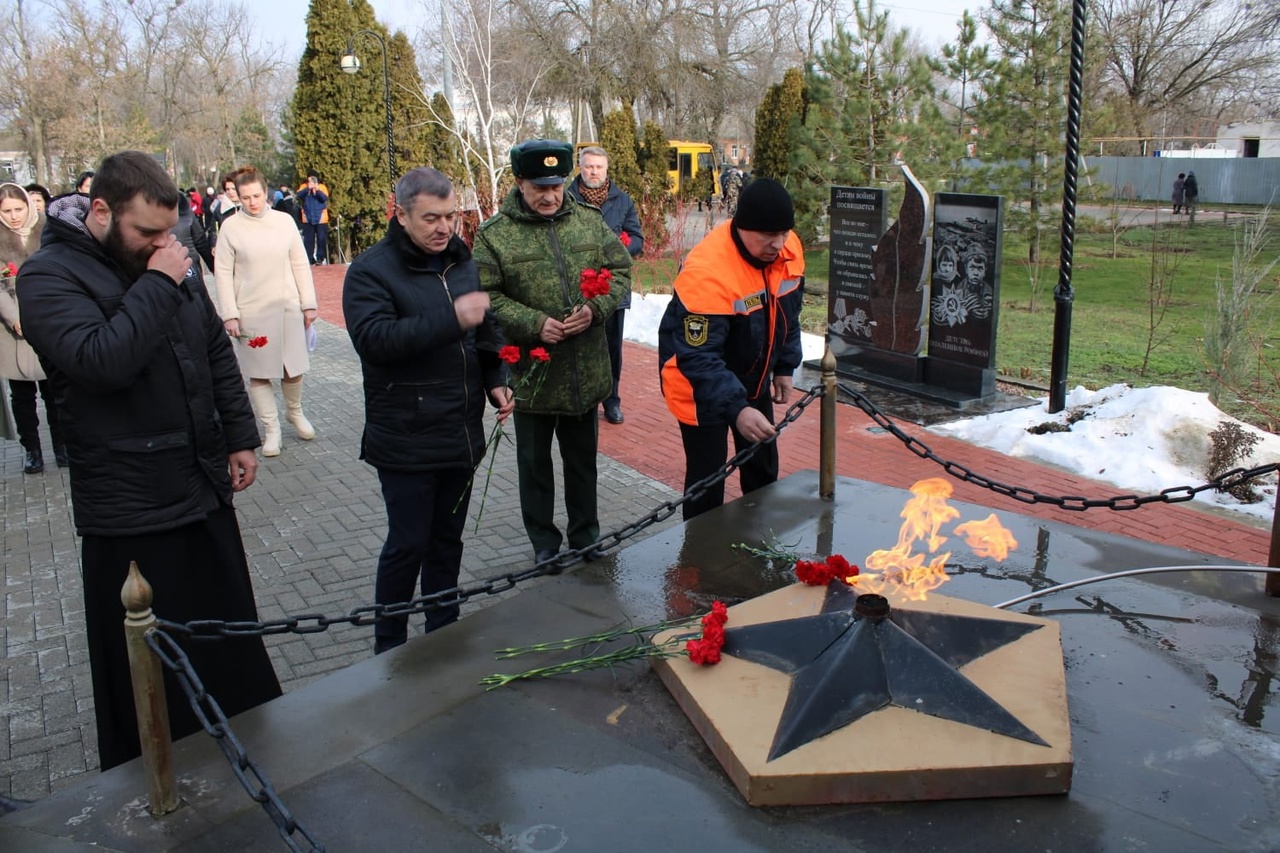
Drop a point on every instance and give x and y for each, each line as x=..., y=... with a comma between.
x=618, y=137
x=411, y=131
x=783, y=103
x=440, y=149
x=1024, y=115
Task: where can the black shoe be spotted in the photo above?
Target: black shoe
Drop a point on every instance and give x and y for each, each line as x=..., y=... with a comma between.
x=613, y=413
x=594, y=554
x=61, y=456
x=546, y=555
x=34, y=463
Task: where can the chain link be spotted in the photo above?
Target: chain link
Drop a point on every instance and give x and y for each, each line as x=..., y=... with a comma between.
x=214, y=722
x=1075, y=503
x=314, y=623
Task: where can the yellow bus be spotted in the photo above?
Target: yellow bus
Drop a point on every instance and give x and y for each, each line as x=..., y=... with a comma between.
x=686, y=160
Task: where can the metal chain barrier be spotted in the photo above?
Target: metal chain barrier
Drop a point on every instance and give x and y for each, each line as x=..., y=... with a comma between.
x=315, y=623
x=1075, y=503
x=214, y=722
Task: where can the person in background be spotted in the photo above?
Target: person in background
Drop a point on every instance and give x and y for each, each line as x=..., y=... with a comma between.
x=532, y=258
x=1191, y=192
x=206, y=207
x=160, y=435
x=19, y=239
x=313, y=199
x=84, y=181
x=265, y=291
x=228, y=203
x=197, y=202
x=428, y=350
x=594, y=187
x=729, y=341
x=40, y=197
x=190, y=232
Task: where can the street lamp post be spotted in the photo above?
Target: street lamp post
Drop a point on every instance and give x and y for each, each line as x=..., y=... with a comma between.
x=351, y=64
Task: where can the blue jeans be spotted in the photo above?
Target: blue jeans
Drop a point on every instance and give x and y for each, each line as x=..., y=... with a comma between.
x=426, y=513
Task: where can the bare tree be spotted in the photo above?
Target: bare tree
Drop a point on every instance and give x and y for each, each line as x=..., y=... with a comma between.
x=495, y=86
x=1166, y=56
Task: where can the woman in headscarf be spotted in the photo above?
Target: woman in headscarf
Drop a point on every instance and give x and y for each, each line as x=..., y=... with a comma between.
x=20, y=227
x=265, y=291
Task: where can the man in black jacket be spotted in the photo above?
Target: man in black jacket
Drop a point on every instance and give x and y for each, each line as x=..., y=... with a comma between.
x=594, y=187
x=159, y=431
x=429, y=352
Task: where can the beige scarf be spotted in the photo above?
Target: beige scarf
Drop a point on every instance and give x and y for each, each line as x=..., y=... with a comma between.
x=25, y=229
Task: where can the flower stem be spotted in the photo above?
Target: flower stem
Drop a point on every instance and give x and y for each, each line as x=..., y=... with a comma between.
x=612, y=635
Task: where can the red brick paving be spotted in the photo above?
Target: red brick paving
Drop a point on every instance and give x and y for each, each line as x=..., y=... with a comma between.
x=650, y=443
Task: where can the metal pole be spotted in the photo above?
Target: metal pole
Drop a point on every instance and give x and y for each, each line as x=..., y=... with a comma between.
x=148, y=694
x=1273, y=556
x=386, y=94
x=1063, y=294
x=827, y=439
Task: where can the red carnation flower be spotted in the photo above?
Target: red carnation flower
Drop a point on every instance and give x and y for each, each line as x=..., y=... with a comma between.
x=595, y=283
x=814, y=574
x=840, y=567
x=509, y=354
x=260, y=341
x=625, y=238
x=10, y=269
x=539, y=354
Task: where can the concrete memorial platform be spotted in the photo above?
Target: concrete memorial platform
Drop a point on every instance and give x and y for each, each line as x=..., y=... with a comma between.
x=1169, y=687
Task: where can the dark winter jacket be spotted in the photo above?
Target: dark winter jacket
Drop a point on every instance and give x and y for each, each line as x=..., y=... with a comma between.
x=1191, y=187
x=620, y=215
x=150, y=397
x=190, y=232
x=730, y=328
x=425, y=379
x=532, y=268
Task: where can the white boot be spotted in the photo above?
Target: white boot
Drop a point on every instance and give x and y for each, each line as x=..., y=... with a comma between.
x=263, y=398
x=292, y=392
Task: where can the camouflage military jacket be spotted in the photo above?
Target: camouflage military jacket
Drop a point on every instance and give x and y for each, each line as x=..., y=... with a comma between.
x=532, y=267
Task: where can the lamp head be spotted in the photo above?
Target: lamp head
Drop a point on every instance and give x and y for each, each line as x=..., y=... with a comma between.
x=350, y=63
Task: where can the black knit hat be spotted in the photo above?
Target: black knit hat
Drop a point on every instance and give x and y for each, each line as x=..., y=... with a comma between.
x=765, y=205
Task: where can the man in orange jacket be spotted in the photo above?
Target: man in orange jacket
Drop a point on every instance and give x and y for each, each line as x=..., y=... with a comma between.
x=730, y=339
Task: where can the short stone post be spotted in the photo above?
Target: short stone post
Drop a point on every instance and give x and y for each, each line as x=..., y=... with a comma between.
x=148, y=694
x=1273, y=556
x=827, y=440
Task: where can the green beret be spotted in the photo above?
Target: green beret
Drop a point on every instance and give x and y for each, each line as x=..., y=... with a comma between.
x=546, y=162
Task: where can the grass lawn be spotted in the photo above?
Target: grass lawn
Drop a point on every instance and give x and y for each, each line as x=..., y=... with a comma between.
x=1117, y=331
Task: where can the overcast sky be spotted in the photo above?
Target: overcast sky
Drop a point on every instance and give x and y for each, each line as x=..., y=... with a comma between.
x=284, y=21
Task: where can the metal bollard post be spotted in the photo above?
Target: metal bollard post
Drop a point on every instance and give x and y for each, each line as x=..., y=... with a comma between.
x=827, y=442
x=148, y=694
x=1273, y=556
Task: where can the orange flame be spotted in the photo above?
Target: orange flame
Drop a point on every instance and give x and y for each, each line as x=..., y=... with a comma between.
x=987, y=538
x=923, y=517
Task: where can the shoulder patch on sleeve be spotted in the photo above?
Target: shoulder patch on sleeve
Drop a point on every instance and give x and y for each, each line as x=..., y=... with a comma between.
x=695, y=330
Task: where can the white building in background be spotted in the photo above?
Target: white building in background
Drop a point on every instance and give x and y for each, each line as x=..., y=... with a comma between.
x=1250, y=138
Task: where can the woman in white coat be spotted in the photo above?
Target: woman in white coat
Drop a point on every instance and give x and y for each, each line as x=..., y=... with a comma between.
x=264, y=288
x=19, y=238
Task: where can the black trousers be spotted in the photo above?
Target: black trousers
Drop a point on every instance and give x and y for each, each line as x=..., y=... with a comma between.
x=577, y=436
x=426, y=514
x=22, y=394
x=315, y=239
x=196, y=572
x=613, y=334
x=706, y=449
